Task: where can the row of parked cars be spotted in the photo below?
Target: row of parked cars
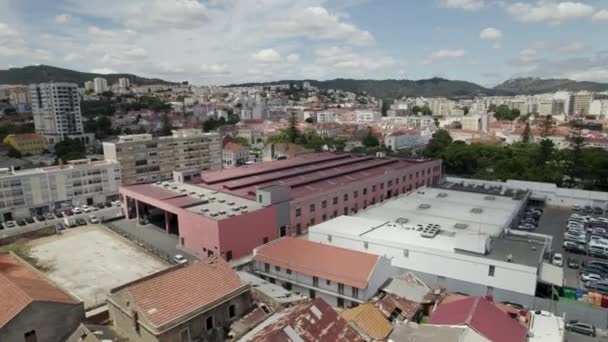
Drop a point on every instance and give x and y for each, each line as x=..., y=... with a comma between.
x=59, y=214
x=530, y=219
x=588, y=209
x=585, y=234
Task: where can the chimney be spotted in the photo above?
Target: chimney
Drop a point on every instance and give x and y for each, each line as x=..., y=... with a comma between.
x=490, y=298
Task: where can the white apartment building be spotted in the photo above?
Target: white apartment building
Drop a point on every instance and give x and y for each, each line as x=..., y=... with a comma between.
x=234, y=155
x=341, y=277
x=580, y=102
x=368, y=115
x=15, y=94
x=326, y=117
x=29, y=192
x=452, y=239
x=89, y=86
x=56, y=108
x=599, y=108
x=144, y=158
x=406, y=139
x=100, y=85
x=124, y=84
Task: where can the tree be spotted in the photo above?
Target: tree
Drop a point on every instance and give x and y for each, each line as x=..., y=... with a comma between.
x=416, y=109
x=241, y=141
x=14, y=153
x=166, y=127
x=525, y=136
x=440, y=141
x=69, y=149
x=309, y=120
x=370, y=140
x=293, y=133
x=436, y=122
x=466, y=110
x=547, y=127
x=426, y=110
x=575, y=164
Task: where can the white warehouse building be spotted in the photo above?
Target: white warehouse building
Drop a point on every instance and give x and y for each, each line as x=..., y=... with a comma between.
x=452, y=239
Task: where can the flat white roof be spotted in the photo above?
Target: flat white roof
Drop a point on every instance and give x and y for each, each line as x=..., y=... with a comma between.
x=546, y=327
x=466, y=220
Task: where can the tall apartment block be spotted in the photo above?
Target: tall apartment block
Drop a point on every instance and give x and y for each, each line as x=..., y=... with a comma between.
x=145, y=159
x=56, y=108
x=30, y=192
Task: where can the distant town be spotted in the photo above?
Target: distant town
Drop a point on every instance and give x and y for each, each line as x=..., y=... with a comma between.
x=174, y=212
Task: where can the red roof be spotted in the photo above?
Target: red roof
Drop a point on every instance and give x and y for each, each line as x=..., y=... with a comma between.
x=232, y=146
x=27, y=136
x=482, y=316
x=311, y=321
x=337, y=264
x=167, y=296
x=21, y=285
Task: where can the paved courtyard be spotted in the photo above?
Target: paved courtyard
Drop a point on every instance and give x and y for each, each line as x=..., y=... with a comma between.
x=89, y=261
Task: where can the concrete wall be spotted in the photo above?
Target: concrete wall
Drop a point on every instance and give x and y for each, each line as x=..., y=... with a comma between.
x=52, y=322
x=376, y=189
x=242, y=233
x=196, y=325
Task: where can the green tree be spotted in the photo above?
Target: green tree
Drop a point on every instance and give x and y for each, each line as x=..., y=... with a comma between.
x=309, y=120
x=547, y=127
x=69, y=149
x=14, y=153
x=241, y=141
x=526, y=135
x=426, y=110
x=370, y=140
x=416, y=109
x=293, y=133
x=575, y=163
x=440, y=141
x=466, y=110
x=167, y=126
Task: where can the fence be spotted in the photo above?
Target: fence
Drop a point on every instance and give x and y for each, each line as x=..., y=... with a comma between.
x=138, y=241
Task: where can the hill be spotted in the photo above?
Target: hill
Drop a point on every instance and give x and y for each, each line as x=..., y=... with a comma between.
x=538, y=86
x=46, y=73
x=397, y=88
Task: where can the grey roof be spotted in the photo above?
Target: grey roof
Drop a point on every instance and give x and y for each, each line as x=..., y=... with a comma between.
x=272, y=291
x=407, y=286
x=522, y=250
x=432, y=333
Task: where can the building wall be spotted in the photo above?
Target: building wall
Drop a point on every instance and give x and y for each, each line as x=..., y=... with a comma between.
x=56, y=109
x=242, y=233
x=508, y=276
x=52, y=322
x=196, y=325
x=377, y=190
x=34, y=145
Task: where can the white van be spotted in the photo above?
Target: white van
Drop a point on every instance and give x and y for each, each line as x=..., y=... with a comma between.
x=598, y=248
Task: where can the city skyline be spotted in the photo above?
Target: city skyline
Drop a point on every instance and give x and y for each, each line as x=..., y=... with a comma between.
x=222, y=42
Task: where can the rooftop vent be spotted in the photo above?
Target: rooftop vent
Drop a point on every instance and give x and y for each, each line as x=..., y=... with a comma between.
x=230, y=203
x=174, y=187
x=222, y=212
x=489, y=198
x=477, y=210
x=461, y=226
x=244, y=211
x=401, y=220
x=424, y=206
x=213, y=214
x=205, y=210
x=212, y=198
x=192, y=192
x=243, y=207
x=221, y=200
x=430, y=231
x=236, y=209
x=201, y=195
x=442, y=194
x=182, y=190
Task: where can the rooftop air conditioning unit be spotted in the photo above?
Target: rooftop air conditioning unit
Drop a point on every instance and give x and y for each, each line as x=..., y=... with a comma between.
x=461, y=226
x=213, y=214
x=424, y=206
x=243, y=207
x=212, y=198
x=489, y=198
x=429, y=232
x=442, y=194
x=221, y=200
x=236, y=209
x=230, y=203
x=477, y=210
x=244, y=211
x=222, y=212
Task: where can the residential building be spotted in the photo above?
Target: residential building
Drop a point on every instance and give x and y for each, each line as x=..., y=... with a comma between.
x=580, y=103
x=599, y=108
x=326, y=117
x=15, y=94
x=144, y=158
x=368, y=115
x=32, y=308
x=406, y=139
x=100, y=85
x=193, y=302
x=451, y=237
x=29, y=143
x=311, y=321
x=89, y=86
x=341, y=277
x=30, y=192
x=234, y=155
x=56, y=108
x=481, y=315
x=321, y=186
x=123, y=84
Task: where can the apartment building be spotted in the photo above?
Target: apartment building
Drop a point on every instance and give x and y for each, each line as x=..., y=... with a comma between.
x=406, y=139
x=234, y=155
x=57, y=115
x=31, y=192
x=100, y=85
x=580, y=103
x=144, y=158
x=341, y=277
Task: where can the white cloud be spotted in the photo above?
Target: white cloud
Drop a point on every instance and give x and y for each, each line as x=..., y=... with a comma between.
x=126, y=55
x=62, y=18
x=601, y=15
x=443, y=54
x=104, y=71
x=267, y=56
x=214, y=68
x=344, y=58
x=72, y=56
x=599, y=74
x=572, y=47
x=467, y=5
x=549, y=11
x=527, y=54
x=490, y=33
x=293, y=58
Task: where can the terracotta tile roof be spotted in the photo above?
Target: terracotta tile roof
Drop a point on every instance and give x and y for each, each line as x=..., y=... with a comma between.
x=310, y=321
x=27, y=136
x=389, y=303
x=232, y=146
x=337, y=264
x=369, y=319
x=21, y=285
x=169, y=295
x=482, y=316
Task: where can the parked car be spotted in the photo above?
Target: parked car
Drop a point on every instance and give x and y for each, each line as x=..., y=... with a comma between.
x=68, y=212
x=573, y=247
x=60, y=226
x=49, y=216
x=40, y=218
x=597, y=287
x=526, y=226
x=86, y=209
x=179, y=259
x=21, y=222
x=99, y=206
x=581, y=328
x=530, y=221
x=58, y=214
x=10, y=224
x=558, y=259
x=93, y=219
x=598, y=211
x=143, y=221
x=576, y=207
x=573, y=264
x=588, y=209
x=107, y=204
x=598, y=263
x=593, y=277
x=77, y=210
x=29, y=220
x=116, y=203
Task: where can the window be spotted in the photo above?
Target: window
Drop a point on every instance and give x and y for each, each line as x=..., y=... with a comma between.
x=277, y=268
x=312, y=294
x=355, y=292
x=288, y=271
x=335, y=201
x=209, y=323
x=315, y=281
x=364, y=191
x=340, y=288
x=265, y=240
x=298, y=212
x=406, y=253
x=329, y=238
x=260, y=198
x=228, y=255
x=373, y=188
x=335, y=213
x=30, y=336
x=312, y=208
x=390, y=183
x=345, y=210
x=324, y=217
x=312, y=221
x=365, y=244
x=232, y=311
x=490, y=291
x=491, y=270
x=184, y=335
x=266, y=268
x=328, y=282
x=340, y=302
x=345, y=197
x=356, y=194
x=324, y=204
x=381, y=185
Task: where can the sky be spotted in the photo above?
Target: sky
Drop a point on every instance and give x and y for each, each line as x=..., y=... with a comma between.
x=217, y=42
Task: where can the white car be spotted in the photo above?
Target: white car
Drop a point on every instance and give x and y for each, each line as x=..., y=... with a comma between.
x=586, y=277
x=116, y=203
x=77, y=210
x=179, y=259
x=526, y=226
x=86, y=209
x=558, y=259
x=93, y=219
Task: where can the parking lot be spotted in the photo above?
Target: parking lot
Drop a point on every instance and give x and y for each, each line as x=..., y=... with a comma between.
x=88, y=261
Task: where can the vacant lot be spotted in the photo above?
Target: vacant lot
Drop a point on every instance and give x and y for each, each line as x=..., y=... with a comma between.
x=89, y=261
